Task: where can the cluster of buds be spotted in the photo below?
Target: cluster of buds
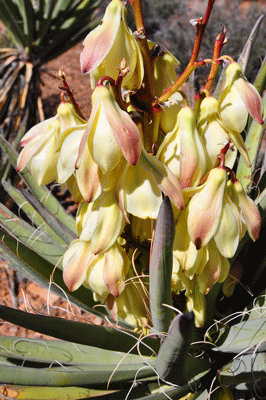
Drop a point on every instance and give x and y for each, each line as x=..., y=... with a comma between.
x=143, y=139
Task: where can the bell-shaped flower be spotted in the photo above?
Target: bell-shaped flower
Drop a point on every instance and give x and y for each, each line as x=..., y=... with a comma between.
x=216, y=269
x=238, y=99
x=213, y=214
x=248, y=209
x=182, y=150
x=184, y=250
x=132, y=305
x=87, y=179
x=76, y=261
x=192, y=153
x=106, y=274
x=138, y=193
x=40, y=152
x=213, y=133
x=101, y=223
x=205, y=208
x=108, y=44
x=110, y=133
x=139, y=187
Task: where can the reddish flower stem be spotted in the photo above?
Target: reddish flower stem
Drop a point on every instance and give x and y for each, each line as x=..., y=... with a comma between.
x=193, y=64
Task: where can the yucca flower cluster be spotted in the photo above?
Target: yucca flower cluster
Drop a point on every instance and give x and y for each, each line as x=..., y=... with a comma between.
x=143, y=141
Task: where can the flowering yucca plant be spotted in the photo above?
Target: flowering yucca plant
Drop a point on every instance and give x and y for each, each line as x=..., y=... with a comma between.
x=171, y=217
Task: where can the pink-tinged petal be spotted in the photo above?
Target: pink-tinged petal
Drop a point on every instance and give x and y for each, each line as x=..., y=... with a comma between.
x=205, y=208
x=76, y=262
x=105, y=231
x=228, y=233
x=212, y=270
x=192, y=153
x=89, y=177
x=30, y=150
x=164, y=178
x=116, y=266
x=95, y=279
x=99, y=42
x=251, y=99
x=250, y=211
x=68, y=154
x=43, y=164
x=124, y=129
x=36, y=131
x=94, y=116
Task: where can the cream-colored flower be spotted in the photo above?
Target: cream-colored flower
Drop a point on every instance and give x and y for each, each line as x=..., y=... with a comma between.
x=214, y=134
x=40, y=144
x=110, y=133
x=108, y=44
x=238, y=99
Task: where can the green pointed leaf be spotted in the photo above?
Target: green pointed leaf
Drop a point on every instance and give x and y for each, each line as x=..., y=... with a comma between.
x=58, y=227
x=70, y=376
x=244, y=56
x=31, y=237
x=65, y=353
x=260, y=80
x=78, y=332
x=161, y=265
x=11, y=18
x=244, y=368
x=28, y=16
x=52, y=393
x=245, y=336
x=31, y=213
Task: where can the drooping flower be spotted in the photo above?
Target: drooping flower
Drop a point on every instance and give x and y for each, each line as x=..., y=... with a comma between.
x=88, y=178
x=40, y=144
x=110, y=133
x=238, y=99
x=106, y=274
x=214, y=134
x=108, y=44
x=248, y=209
x=182, y=150
x=222, y=211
